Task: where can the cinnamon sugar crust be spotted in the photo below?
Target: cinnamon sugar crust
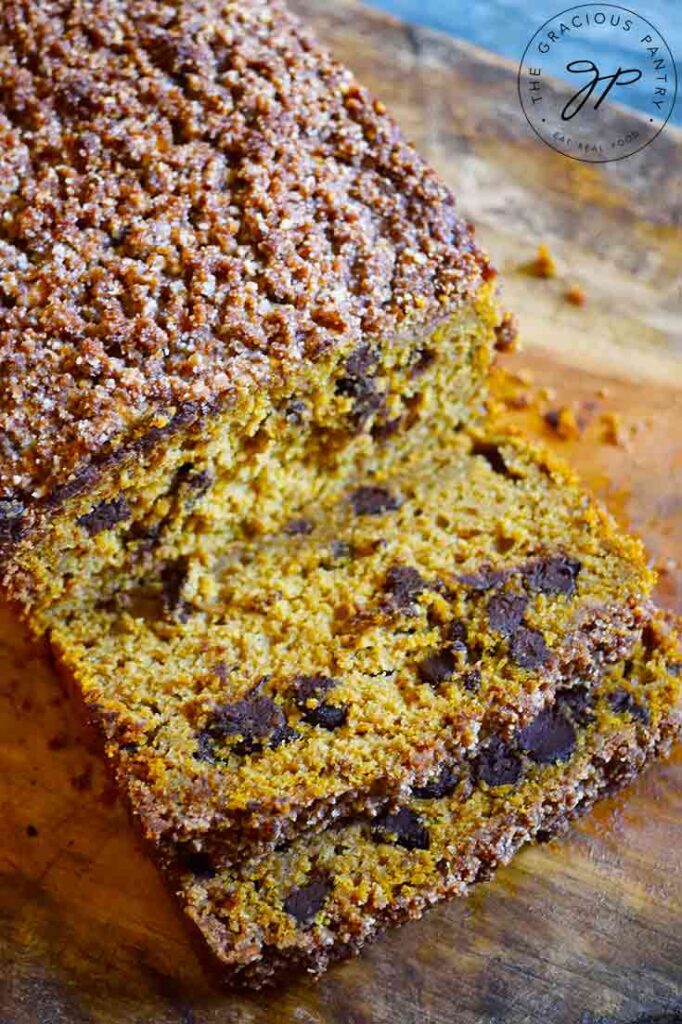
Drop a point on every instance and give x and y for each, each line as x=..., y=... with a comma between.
x=197, y=201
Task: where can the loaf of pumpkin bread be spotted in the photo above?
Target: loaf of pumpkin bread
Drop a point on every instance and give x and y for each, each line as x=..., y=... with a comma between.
x=225, y=280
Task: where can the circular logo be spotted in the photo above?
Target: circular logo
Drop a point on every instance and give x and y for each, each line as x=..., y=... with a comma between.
x=581, y=70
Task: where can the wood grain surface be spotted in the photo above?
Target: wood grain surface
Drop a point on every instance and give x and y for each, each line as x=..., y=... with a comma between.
x=585, y=931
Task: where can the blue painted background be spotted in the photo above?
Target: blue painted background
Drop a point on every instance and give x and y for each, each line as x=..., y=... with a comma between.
x=506, y=26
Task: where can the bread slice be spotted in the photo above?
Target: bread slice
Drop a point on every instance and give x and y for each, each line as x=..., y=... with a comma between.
x=326, y=895
x=225, y=279
x=250, y=694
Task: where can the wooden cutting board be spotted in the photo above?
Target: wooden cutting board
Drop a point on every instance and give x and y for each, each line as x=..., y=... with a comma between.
x=585, y=931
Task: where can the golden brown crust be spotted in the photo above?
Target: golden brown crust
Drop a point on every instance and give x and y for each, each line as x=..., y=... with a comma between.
x=198, y=200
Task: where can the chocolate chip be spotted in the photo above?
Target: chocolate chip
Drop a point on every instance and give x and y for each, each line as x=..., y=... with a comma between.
x=506, y=611
x=555, y=575
x=360, y=385
x=471, y=680
x=105, y=516
x=173, y=578
x=622, y=702
x=366, y=399
x=295, y=412
x=31, y=831
x=443, y=784
x=328, y=716
x=403, y=827
x=404, y=585
x=382, y=431
x=341, y=549
x=305, y=903
x=372, y=501
x=252, y=718
x=362, y=361
x=549, y=738
x=12, y=526
x=456, y=632
x=298, y=527
x=205, y=748
x=485, y=579
x=304, y=688
x=146, y=535
x=425, y=357
x=527, y=648
x=283, y=734
x=198, y=480
x=496, y=763
x=576, y=701
x=438, y=667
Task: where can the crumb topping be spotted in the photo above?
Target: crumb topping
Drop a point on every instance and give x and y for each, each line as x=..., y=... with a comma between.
x=194, y=199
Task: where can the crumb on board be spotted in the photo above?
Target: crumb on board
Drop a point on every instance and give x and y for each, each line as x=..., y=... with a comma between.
x=506, y=334
x=564, y=423
x=613, y=431
x=543, y=265
x=575, y=295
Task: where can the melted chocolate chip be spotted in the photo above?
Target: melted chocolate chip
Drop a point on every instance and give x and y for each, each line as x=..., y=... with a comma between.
x=373, y=501
x=298, y=527
x=623, y=702
x=425, y=357
x=173, y=578
x=205, y=748
x=506, y=611
x=576, y=701
x=12, y=526
x=282, y=735
x=496, y=763
x=527, y=648
x=198, y=480
x=295, y=412
x=303, y=688
x=341, y=549
x=328, y=716
x=438, y=667
x=305, y=903
x=555, y=575
x=443, y=784
x=456, y=632
x=404, y=585
x=360, y=385
x=362, y=361
x=105, y=516
x=382, y=431
x=403, y=827
x=471, y=680
x=252, y=718
x=549, y=738
x=485, y=579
